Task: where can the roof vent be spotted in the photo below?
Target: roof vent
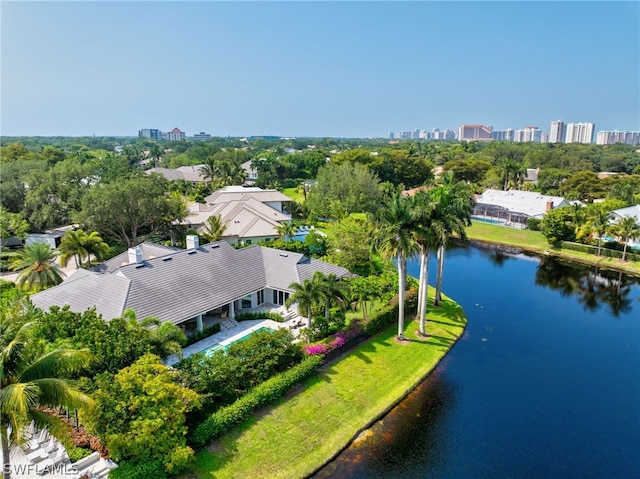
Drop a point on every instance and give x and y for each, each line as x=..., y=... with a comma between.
x=191, y=252
x=214, y=246
x=139, y=265
x=168, y=258
x=284, y=255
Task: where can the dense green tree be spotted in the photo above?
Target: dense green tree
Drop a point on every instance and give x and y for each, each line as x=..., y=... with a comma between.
x=584, y=185
x=362, y=290
x=558, y=225
x=31, y=380
x=129, y=209
x=12, y=224
x=331, y=289
x=141, y=415
x=333, y=197
x=513, y=172
x=472, y=171
x=350, y=245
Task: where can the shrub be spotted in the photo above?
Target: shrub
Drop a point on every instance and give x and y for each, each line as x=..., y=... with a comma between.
x=263, y=394
x=389, y=314
x=138, y=470
x=265, y=315
x=338, y=340
x=77, y=453
x=534, y=223
x=205, y=333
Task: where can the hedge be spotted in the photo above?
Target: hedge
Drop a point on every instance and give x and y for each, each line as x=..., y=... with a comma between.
x=610, y=253
x=389, y=314
x=263, y=394
x=265, y=315
x=205, y=333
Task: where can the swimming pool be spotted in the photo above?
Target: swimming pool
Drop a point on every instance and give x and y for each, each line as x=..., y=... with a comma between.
x=224, y=345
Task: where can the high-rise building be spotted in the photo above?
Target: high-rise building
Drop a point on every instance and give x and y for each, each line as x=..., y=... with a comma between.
x=579, y=133
x=509, y=134
x=174, y=135
x=617, y=136
x=474, y=132
x=557, y=131
x=202, y=136
x=392, y=135
x=150, y=133
x=527, y=134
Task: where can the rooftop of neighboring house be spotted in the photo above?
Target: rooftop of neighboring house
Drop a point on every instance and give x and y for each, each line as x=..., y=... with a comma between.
x=187, y=173
x=530, y=203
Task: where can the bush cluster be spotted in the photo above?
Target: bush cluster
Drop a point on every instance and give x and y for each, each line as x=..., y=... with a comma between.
x=265, y=315
x=263, y=394
x=339, y=340
x=205, y=333
x=389, y=314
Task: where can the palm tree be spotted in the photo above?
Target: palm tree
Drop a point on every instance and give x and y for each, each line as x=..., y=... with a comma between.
x=425, y=233
x=72, y=246
x=286, y=230
x=597, y=224
x=363, y=289
x=306, y=295
x=512, y=170
x=627, y=228
x=79, y=245
x=330, y=288
x=31, y=381
x=166, y=337
x=453, y=214
x=213, y=228
x=396, y=225
x=36, y=266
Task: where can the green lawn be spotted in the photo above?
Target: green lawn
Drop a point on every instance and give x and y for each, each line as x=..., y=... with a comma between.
x=536, y=242
x=294, y=194
x=303, y=431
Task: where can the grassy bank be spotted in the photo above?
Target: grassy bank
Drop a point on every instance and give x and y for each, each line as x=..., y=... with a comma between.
x=535, y=242
x=306, y=429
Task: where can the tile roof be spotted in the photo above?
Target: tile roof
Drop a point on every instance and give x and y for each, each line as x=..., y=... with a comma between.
x=184, y=283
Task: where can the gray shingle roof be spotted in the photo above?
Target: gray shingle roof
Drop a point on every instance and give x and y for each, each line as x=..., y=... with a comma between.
x=149, y=250
x=185, y=283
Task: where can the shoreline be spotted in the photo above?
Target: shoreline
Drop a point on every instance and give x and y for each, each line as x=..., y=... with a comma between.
x=480, y=233
x=333, y=409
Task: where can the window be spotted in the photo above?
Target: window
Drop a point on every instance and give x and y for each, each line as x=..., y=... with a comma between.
x=261, y=296
x=246, y=302
x=280, y=297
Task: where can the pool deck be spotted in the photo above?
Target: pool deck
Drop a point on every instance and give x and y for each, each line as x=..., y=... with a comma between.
x=224, y=338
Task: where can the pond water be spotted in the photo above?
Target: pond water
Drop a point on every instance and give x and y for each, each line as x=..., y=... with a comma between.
x=545, y=382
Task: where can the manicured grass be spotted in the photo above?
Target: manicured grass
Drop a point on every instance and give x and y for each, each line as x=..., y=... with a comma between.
x=535, y=241
x=294, y=194
x=299, y=434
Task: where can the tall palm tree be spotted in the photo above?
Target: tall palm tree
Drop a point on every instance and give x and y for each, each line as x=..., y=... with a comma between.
x=512, y=170
x=627, y=228
x=597, y=223
x=31, y=380
x=306, y=294
x=426, y=237
x=396, y=225
x=213, y=228
x=36, y=266
x=453, y=214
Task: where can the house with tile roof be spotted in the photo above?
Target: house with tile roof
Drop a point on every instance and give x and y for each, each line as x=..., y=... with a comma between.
x=514, y=207
x=186, y=286
x=192, y=174
x=250, y=213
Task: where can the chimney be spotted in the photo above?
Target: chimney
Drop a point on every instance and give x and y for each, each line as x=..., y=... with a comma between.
x=193, y=242
x=549, y=205
x=135, y=255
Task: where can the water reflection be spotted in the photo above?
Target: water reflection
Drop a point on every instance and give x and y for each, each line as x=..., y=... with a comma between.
x=592, y=286
x=401, y=439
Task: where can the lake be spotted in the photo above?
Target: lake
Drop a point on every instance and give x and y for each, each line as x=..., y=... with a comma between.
x=545, y=382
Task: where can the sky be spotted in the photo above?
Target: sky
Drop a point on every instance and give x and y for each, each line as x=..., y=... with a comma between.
x=315, y=69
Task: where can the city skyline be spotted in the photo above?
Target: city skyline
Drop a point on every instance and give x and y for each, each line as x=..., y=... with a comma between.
x=341, y=69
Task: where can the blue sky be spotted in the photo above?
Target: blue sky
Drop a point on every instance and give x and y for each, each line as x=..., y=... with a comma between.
x=340, y=69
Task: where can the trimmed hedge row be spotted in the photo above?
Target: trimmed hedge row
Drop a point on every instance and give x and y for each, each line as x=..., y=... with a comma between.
x=263, y=394
x=610, y=253
x=265, y=315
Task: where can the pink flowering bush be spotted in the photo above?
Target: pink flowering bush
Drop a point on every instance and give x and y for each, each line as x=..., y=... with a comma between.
x=339, y=339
